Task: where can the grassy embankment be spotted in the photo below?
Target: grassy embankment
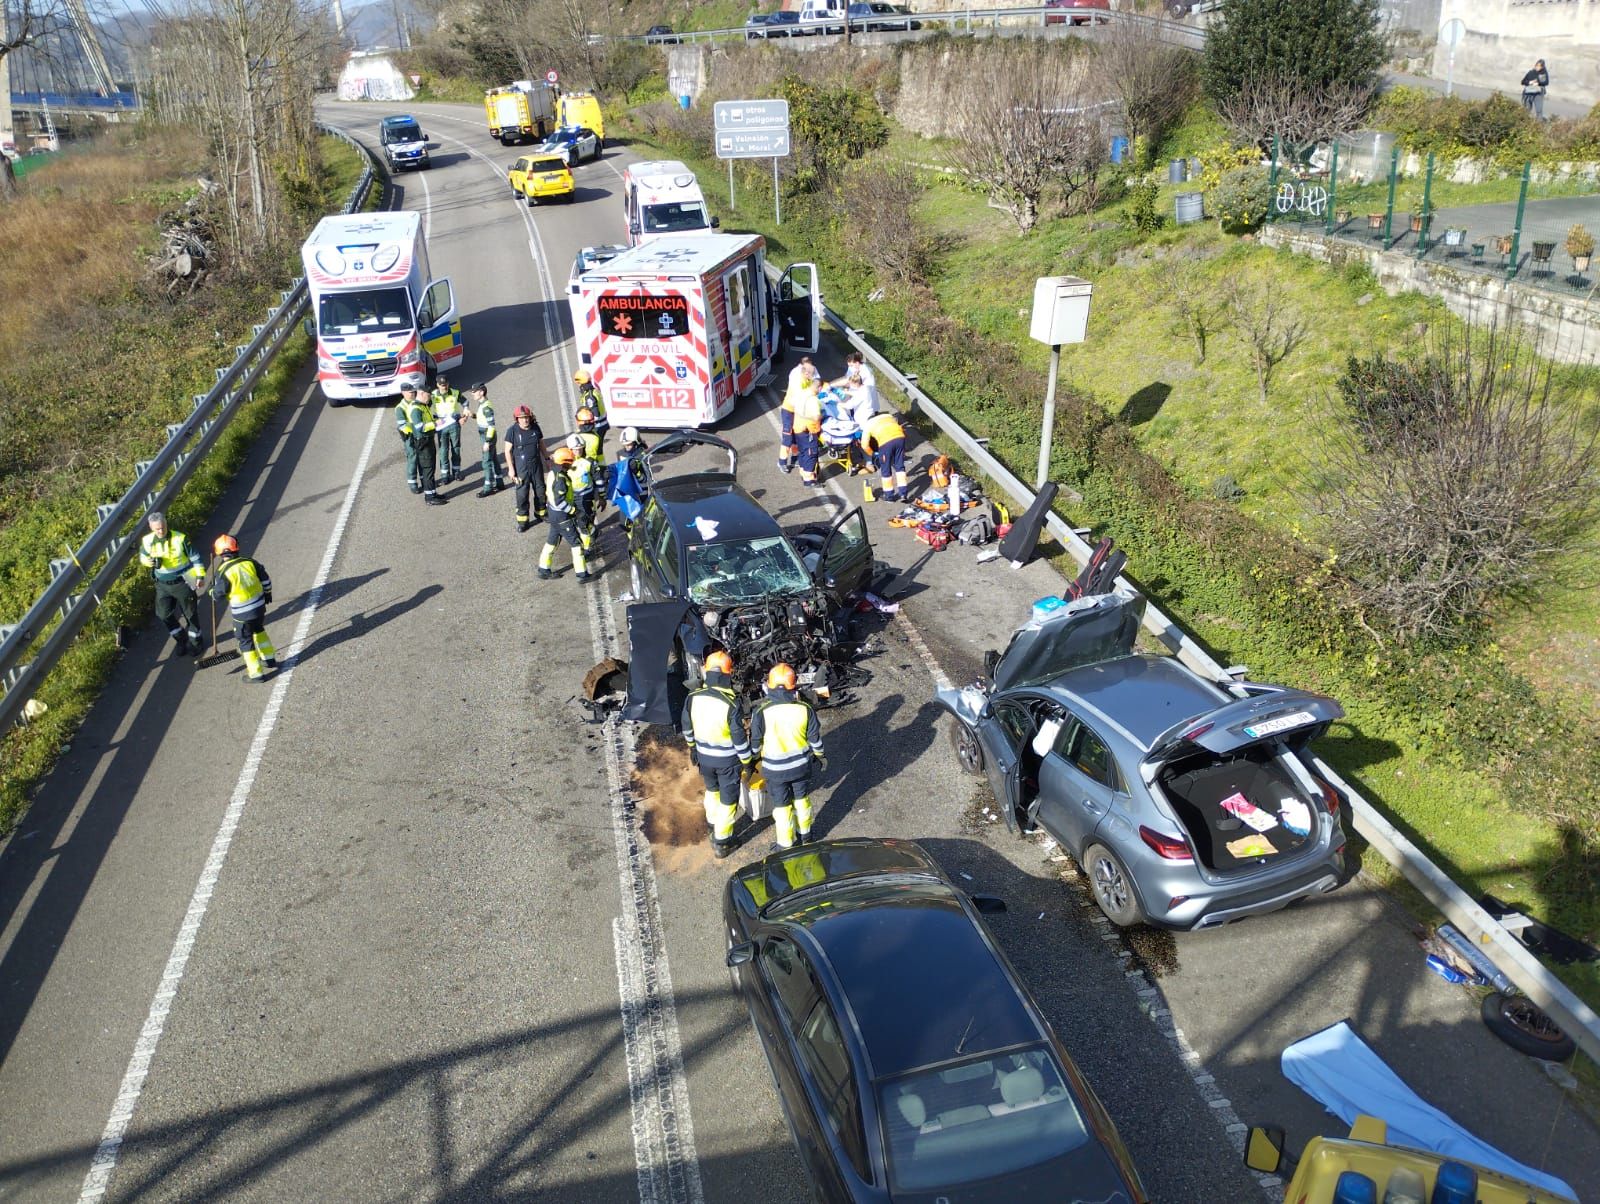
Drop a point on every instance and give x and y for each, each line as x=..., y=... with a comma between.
x=93, y=364
x=1203, y=422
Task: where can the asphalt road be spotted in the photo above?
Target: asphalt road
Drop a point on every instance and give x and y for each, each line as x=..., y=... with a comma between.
x=437, y=958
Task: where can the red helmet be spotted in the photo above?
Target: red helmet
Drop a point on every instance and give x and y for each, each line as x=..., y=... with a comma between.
x=225, y=544
x=522, y=412
x=782, y=677
x=720, y=662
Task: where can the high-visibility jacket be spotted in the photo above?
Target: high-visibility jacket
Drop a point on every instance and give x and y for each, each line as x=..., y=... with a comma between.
x=713, y=722
x=172, y=558
x=589, y=395
x=785, y=731
x=486, y=421
x=581, y=476
x=558, y=494
x=591, y=443
x=807, y=409
x=413, y=418
x=244, y=583
x=447, y=408
x=881, y=429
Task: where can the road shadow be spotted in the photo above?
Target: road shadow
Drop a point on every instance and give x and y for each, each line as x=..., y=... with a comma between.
x=868, y=749
x=362, y=623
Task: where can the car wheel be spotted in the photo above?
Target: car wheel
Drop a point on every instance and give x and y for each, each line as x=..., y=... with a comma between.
x=1523, y=1025
x=1113, y=889
x=969, y=752
x=532, y=200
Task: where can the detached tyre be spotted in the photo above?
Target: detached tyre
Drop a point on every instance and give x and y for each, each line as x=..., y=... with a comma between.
x=1523, y=1025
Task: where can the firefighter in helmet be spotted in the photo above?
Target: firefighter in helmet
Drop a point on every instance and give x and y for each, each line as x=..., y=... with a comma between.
x=248, y=589
x=785, y=734
x=713, y=726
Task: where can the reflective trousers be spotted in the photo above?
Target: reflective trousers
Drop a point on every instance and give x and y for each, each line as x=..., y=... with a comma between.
x=891, y=460
x=790, y=800
x=255, y=646
x=562, y=527
x=722, y=799
x=810, y=445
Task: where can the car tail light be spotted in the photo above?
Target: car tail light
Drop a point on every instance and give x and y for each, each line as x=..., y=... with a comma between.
x=1198, y=729
x=1330, y=796
x=1168, y=848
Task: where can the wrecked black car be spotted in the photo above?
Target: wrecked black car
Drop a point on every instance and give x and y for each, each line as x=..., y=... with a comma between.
x=711, y=569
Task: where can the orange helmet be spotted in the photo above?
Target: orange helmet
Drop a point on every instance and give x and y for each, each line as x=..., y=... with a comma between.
x=225, y=544
x=584, y=416
x=782, y=677
x=720, y=662
x=564, y=456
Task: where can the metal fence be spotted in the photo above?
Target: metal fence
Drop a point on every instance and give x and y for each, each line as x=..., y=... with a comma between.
x=1522, y=223
x=30, y=648
x=961, y=20
x=1521, y=966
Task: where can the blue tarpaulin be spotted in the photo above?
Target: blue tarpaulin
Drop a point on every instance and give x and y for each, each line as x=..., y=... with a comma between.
x=1339, y=1070
x=624, y=491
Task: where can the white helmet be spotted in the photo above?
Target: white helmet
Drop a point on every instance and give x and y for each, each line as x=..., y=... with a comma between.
x=575, y=443
x=630, y=434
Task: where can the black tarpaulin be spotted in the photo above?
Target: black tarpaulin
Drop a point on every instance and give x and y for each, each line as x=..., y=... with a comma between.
x=652, y=628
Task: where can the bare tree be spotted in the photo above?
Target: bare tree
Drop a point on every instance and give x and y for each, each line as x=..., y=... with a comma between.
x=1155, y=80
x=24, y=23
x=879, y=205
x=1453, y=479
x=1298, y=113
x=1270, y=325
x=1197, y=311
x=1028, y=125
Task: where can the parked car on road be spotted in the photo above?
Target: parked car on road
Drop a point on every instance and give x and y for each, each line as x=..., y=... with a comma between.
x=660, y=34
x=782, y=24
x=868, y=15
x=573, y=143
x=1076, y=18
x=1187, y=802
x=909, y=1059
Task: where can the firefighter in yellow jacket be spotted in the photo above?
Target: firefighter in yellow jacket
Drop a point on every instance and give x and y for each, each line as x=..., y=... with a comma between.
x=713, y=725
x=785, y=734
x=248, y=590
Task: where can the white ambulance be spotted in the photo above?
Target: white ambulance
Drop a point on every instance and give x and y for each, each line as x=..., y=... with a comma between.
x=661, y=197
x=675, y=330
x=380, y=320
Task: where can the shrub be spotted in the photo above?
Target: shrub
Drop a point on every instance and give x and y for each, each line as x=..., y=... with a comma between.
x=1322, y=46
x=831, y=125
x=1141, y=212
x=878, y=204
x=1579, y=241
x=1241, y=198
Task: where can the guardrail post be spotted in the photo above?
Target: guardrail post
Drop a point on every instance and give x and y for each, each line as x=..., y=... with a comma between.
x=221, y=372
x=13, y=674
x=105, y=510
x=172, y=430
x=199, y=400
x=59, y=565
x=140, y=467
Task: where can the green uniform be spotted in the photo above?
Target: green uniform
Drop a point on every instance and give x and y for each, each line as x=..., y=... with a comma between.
x=176, y=567
x=402, y=423
x=414, y=420
x=447, y=414
x=490, y=438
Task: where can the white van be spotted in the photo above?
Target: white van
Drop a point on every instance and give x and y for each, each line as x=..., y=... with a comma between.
x=662, y=196
x=380, y=321
x=822, y=16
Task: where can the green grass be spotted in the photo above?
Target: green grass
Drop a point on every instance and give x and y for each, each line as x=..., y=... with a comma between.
x=1210, y=422
x=171, y=371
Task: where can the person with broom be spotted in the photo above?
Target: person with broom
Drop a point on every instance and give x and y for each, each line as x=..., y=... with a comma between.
x=177, y=570
x=248, y=589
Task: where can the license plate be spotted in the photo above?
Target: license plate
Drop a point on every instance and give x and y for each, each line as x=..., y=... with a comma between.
x=1281, y=724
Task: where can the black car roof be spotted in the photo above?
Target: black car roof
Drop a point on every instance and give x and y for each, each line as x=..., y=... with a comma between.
x=717, y=499
x=922, y=982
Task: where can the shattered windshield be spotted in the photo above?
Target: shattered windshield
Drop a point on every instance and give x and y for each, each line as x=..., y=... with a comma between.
x=745, y=570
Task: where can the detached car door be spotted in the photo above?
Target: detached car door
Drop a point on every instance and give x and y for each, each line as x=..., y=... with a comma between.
x=844, y=565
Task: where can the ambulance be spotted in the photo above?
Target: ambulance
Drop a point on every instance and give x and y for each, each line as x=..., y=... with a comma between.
x=581, y=109
x=674, y=331
x=661, y=198
x=379, y=318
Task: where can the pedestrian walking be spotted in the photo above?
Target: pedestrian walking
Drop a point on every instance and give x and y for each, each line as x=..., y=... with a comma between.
x=1534, y=85
x=417, y=425
x=785, y=734
x=885, y=440
x=179, y=573
x=447, y=415
x=245, y=585
x=563, y=517
x=483, y=414
x=402, y=423
x=802, y=377
x=523, y=449
x=713, y=726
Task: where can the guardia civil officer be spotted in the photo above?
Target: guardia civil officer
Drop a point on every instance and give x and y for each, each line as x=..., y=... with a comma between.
x=713, y=726
x=178, y=571
x=447, y=415
x=483, y=413
x=402, y=424
x=415, y=420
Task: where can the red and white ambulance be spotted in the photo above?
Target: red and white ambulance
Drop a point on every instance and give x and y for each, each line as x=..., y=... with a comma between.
x=674, y=331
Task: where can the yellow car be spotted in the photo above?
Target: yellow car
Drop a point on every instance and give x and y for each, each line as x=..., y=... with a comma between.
x=540, y=177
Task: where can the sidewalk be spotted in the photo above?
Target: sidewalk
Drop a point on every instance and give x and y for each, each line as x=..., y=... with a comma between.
x=1554, y=105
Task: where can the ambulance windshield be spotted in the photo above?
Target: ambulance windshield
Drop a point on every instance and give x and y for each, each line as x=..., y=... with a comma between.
x=369, y=311
x=676, y=215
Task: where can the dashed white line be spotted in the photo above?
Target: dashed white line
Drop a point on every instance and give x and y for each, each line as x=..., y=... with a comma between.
x=104, y=1164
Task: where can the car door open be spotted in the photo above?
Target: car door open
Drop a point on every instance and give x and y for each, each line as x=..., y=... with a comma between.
x=441, y=328
x=800, y=306
x=844, y=562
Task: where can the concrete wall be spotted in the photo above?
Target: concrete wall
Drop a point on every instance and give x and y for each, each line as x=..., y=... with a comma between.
x=1418, y=16
x=1568, y=326
x=1504, y=37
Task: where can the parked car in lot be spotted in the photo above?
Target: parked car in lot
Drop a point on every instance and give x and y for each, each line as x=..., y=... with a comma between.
x=869, y=15
x=1076, y=17
x=573, y=143
x=822, y=16
x=540, y=177
x=729, y=577
x=1187, y=802
x=909, y=1059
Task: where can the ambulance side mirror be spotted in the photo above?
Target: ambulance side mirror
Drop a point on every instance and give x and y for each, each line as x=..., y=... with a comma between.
x=716, y=223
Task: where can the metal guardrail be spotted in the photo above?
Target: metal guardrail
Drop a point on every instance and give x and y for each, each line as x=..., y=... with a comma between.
x=1517, y=962
x=952, y=20
x=30, y=649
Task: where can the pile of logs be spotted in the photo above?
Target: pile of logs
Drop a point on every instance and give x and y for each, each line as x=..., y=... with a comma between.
x=188, y=246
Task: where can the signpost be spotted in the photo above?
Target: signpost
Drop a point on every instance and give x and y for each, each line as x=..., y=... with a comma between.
x=550, y=77
x=752, y=129
x=1451, y=33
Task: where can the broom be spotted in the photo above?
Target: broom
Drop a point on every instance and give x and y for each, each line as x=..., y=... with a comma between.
x=215, y=658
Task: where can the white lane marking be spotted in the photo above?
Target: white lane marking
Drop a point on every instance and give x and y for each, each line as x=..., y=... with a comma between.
x=666, y=1163
x=105, y=1155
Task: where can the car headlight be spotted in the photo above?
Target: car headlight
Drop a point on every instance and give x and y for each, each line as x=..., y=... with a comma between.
x=712, y=618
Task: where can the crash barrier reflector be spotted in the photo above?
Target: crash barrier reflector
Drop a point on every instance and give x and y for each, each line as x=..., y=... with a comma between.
x=1530, y=975
x=30, y=648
